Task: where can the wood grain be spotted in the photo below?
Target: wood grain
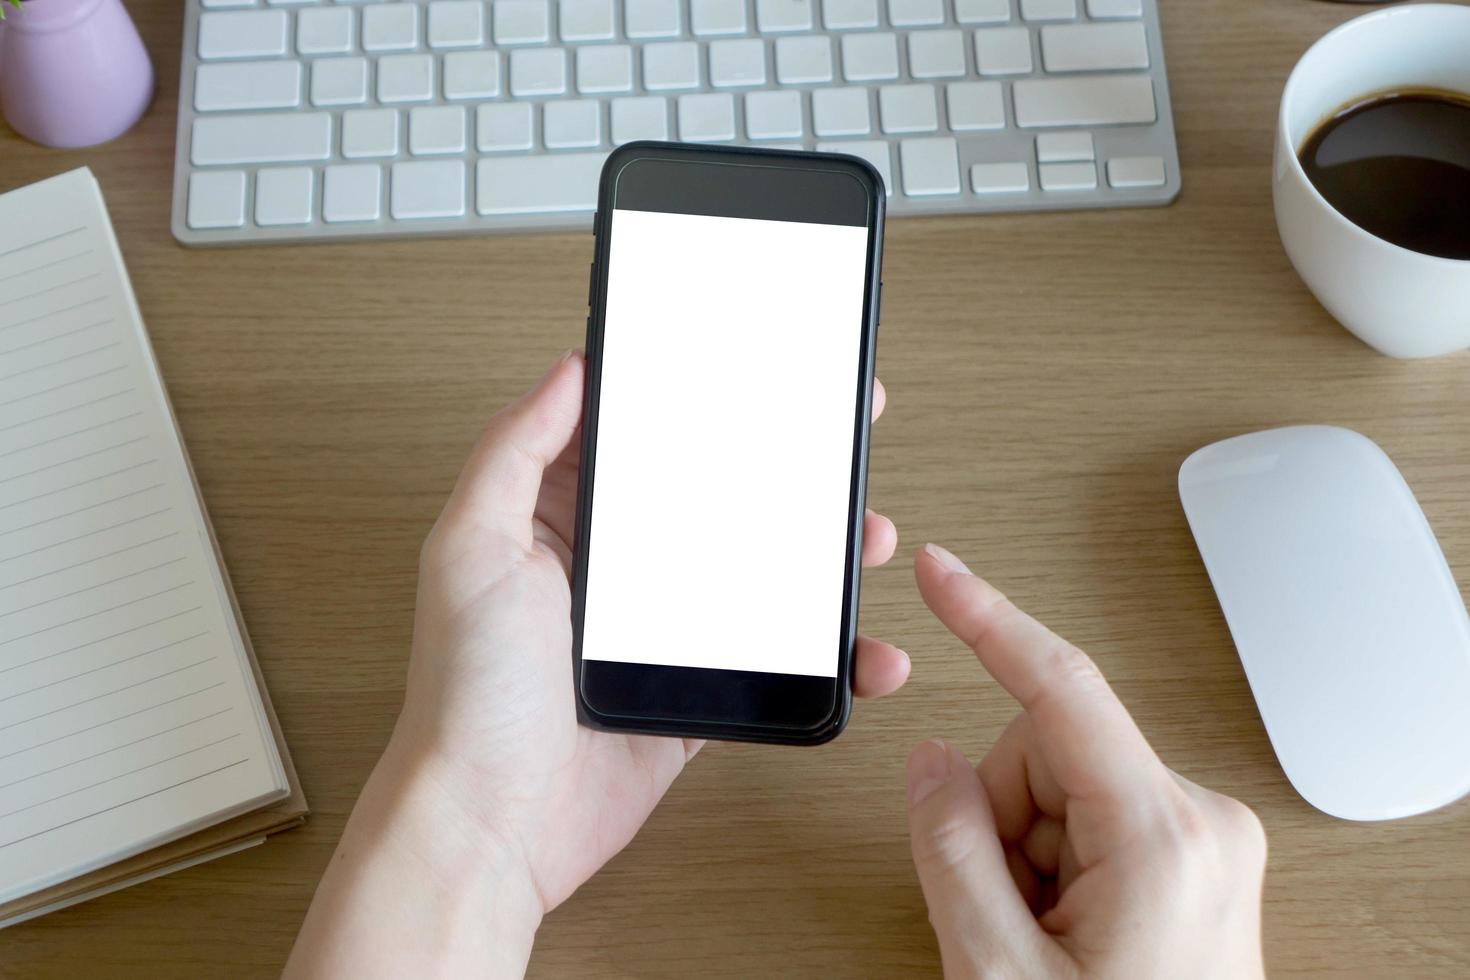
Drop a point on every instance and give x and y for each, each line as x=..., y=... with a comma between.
x=1046, y=376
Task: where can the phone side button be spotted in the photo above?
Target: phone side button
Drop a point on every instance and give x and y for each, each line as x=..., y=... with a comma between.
x=591, y=282
x=878, y=310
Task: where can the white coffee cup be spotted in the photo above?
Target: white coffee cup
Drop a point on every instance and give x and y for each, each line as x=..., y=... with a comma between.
x=1400, y=302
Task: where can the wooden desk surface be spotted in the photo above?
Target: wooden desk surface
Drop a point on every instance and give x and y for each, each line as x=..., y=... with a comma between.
x=1046, y=376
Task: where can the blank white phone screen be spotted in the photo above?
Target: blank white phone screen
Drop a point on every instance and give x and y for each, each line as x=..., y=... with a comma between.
x=725, y=441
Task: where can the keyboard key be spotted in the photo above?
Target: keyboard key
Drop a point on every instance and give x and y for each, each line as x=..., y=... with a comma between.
x=1048, y=9
x=471, y=75
x=427, y=189
x=216, y=199
x=773, y=115
x=929, y=166
x=651, y=18
x=1136, y=172
x=369, y=133
x=526, y=185
x=1003, y=51
x=324, y=30
x=501, y=126
x=707, y=118
x=247, y=85
x=714, y=17
x=737, y=63
x=915, y=13
x=284, y=137
x=586, y=20
x=436, y=129
x=1093, y=47
x=873, y=151
x=841, y=112
x=642, y=118
x=783, y=16
x=937, y=54
x=283, y=196
x=456, y=24
x=538, y=71
x=869, y=57
x=1102, y=9
x=908, y=109
x=605, y=68
x=212, y=4
x=572, y=124
x=390, y=27
x=670, y=65
x=521, y=22
x=1097, y=100
x=999, y=178
x=1063, y=147
x=339, y=81
x=846, y=15
x=352, y=192
x=242, y=34
x=1068, y=176
x=406, y=78
x=803, y=60
x=975, y=105
x=982, y=11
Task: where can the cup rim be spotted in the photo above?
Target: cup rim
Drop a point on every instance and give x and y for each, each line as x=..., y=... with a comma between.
x=1361, y=22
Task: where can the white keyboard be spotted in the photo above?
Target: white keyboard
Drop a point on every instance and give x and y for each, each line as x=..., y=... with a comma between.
x=303, y=119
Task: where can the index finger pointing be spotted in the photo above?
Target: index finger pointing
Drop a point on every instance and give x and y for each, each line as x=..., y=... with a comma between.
x=1084, y=733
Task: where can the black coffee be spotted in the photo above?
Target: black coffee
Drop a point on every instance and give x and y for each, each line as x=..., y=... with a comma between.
x=1398, y=165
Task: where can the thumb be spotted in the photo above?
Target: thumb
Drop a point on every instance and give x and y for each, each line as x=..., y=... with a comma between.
x=499, y=484
x=983, y=924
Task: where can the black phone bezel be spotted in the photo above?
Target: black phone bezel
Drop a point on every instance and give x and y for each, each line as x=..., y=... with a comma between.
x=777, y=185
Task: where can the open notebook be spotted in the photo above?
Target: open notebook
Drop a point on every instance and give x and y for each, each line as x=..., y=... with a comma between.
x=135, y=734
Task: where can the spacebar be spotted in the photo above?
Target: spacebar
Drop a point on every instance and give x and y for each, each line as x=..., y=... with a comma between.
x=1097, y=100
x=527, y=185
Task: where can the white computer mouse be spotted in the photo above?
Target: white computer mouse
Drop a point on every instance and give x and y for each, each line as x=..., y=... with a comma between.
x=1347, y=619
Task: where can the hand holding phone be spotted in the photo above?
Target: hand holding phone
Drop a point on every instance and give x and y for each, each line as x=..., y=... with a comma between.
x=491, y=804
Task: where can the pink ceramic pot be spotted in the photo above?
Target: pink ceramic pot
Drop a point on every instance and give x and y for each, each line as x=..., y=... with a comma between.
x=72, y=72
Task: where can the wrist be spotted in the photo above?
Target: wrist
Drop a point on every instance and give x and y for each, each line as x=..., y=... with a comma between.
x=432, y=824
x=415, y=888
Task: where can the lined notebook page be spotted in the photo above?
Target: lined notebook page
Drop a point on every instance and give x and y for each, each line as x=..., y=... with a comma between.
x=128, y=711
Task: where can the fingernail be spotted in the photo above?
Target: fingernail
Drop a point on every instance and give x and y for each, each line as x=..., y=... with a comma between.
x=566, y=355
x=946, y=559
x=928, y=770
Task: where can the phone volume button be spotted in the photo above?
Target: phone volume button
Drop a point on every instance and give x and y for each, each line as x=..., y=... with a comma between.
x=591, y=283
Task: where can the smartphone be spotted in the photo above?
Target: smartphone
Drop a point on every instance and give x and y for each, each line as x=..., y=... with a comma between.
x=730, y=345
